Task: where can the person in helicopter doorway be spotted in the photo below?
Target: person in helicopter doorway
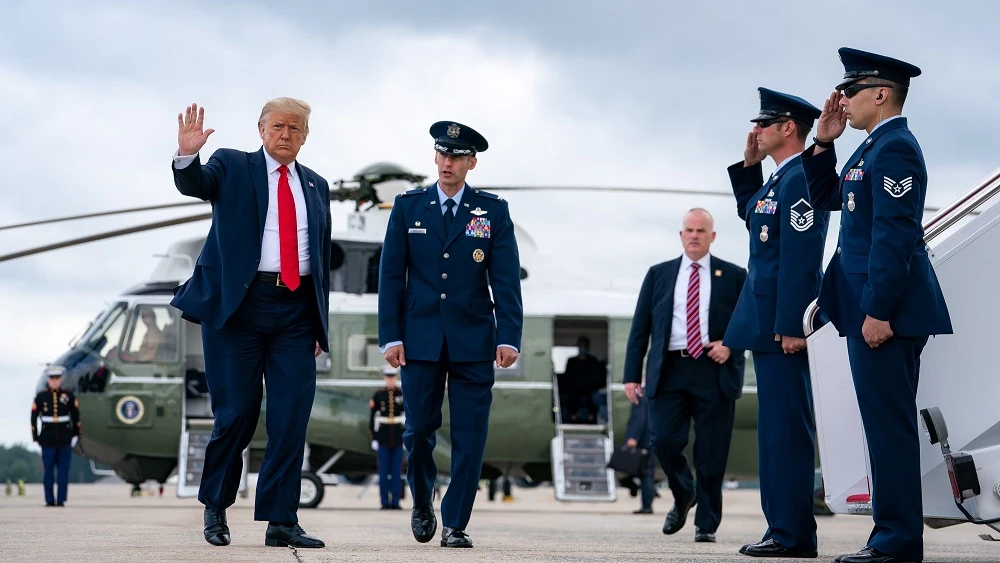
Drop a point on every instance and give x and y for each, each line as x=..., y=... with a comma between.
x=60, y=416
x=585, y=377
x=386, y=428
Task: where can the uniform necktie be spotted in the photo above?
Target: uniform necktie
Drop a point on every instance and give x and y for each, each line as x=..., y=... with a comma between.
x=288, y=232
x=449, y=216
x=694, y=346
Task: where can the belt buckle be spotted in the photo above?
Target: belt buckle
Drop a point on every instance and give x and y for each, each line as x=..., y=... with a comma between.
x=685, y=353
x=277, y=280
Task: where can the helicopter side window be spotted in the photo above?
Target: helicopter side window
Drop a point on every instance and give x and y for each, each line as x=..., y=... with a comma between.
x=103, y=336
x=152, y=335
x=363, y=354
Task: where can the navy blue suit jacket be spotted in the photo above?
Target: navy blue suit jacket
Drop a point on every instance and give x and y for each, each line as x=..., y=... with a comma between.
x=787, y=238
x=236, y=184
x=653, y=319
x=881, y=267
x=434, y=286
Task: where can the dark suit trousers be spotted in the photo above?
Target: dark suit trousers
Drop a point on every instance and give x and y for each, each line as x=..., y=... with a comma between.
x=689, y=389
x=273, y=332
x=786, y=451
x=470, y=394
x=885, y=379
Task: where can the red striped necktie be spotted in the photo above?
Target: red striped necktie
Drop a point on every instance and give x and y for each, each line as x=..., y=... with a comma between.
x=694, y=346
x=288, y=232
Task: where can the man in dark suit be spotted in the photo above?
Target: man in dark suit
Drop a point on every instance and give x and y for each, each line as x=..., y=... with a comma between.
x=260, y=291
x=682, y=313
x=445, y=248
x=880, y=290
x=638, y=435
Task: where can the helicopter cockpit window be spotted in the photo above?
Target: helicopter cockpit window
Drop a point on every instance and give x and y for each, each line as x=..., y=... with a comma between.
x=363, y=354
x=103, y=336
x=152, y=335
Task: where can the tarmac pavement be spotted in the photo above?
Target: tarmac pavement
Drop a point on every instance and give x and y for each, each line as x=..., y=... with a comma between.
x=103, y=523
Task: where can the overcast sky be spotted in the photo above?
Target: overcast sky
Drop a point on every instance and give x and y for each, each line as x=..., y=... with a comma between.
x=651, y=94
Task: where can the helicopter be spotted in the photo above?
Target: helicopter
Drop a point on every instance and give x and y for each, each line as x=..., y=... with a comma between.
x=146, y=409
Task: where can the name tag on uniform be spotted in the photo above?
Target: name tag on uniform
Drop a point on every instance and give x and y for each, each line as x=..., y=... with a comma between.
x=418, y=231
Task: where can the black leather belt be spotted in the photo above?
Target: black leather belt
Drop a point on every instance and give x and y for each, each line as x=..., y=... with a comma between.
x=678, y=353
x=274, y=278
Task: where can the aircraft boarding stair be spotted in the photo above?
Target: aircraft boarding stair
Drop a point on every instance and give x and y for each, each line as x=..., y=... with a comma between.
x=958, y=397
x=580, y=455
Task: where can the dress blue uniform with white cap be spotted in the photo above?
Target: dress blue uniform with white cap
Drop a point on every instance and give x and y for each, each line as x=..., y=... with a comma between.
x=439, y=263
x=787, y=237
x=881, y=269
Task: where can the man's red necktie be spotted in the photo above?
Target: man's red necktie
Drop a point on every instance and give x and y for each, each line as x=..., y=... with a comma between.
x=694, y=345
x=288, y=232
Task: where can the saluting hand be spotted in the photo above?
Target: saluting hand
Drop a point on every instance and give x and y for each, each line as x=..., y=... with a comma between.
x=833, y=120
x=752, y=154
x=395, y=356
x=190, y=136
x=506, y=356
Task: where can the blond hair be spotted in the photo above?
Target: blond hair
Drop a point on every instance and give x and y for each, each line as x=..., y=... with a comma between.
x=286, y=105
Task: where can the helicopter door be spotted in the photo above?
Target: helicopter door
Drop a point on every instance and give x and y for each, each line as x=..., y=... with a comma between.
x=198, y=419
x=584, y=438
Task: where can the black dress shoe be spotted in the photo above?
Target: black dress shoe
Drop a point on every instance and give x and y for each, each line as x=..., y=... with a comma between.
x=703, y=537
x=771, y=548
x=423, y=523
x=643, y=510
x=60, y=504
x=216, y=528
x=869, y=555
x=290, y=536
x=453, y=537
x=676, y=517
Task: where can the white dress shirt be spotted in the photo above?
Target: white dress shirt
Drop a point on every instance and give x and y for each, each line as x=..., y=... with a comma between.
x=678, y=328
x=270, y=256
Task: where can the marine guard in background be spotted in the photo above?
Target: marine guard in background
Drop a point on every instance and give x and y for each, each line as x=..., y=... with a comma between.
x=60, y=415
x=386, y=428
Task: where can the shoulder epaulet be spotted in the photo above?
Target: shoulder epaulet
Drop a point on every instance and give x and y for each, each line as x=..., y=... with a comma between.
x=414, y=192
x=488, y=194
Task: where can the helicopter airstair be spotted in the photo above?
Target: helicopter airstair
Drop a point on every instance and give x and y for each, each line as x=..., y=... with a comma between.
x=580, y=455
x=197, y=423
x=958, y=396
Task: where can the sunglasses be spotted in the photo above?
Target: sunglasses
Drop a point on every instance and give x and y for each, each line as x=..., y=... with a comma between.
x=765, y=123
x=851, y=90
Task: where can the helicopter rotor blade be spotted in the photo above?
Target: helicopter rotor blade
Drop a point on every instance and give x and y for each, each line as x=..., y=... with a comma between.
x=101, y=214
x=106, y=235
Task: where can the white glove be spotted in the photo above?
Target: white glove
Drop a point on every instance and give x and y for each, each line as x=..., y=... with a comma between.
x=374, y=445
x=72, y=443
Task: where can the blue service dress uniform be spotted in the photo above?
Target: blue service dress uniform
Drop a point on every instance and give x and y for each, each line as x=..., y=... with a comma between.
x=386, y=429
x=59, y=413
x=787, y=237
x=434, y=297
x=881, y=269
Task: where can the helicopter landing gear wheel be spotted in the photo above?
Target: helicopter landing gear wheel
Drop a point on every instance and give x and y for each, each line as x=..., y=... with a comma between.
x=311, y=493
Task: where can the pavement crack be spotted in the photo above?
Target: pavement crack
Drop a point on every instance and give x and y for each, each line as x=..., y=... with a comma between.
x=295, y=553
